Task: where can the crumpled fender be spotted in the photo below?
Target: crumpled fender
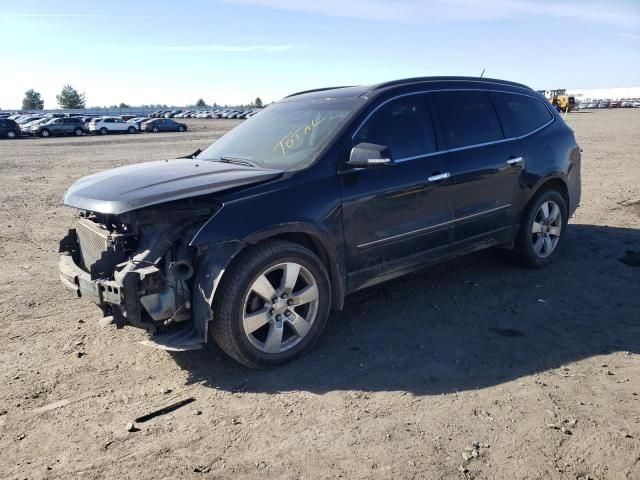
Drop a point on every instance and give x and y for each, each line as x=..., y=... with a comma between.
x=213, y=259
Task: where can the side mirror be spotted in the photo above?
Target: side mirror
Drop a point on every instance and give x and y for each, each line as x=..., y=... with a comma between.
x=367, y=155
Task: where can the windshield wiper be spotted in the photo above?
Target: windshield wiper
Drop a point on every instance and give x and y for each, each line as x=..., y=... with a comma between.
x=238, y=161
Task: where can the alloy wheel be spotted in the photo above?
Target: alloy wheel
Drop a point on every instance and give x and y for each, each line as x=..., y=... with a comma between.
x=546, y=229
x=280, y=307
x=11, y=134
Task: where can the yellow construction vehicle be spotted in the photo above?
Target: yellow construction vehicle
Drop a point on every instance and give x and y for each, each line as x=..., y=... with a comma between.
x=559, y=99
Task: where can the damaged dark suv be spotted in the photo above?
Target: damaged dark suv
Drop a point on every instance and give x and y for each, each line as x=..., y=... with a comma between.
x=257, y=238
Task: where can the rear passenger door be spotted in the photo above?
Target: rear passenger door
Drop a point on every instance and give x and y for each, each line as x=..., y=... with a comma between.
x=485, y=165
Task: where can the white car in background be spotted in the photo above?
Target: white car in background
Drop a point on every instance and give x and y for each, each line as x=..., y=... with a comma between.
x=107, y=125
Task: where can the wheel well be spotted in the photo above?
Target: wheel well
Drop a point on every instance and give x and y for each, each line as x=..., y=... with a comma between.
x=316, y=246
x=555, y=184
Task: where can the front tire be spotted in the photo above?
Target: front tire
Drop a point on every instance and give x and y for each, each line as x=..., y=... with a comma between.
x=181, y=128
x=272, y=305
x=11, y=134
x=131, y=129
x=542, y=229
x=78, y=132
x=45, y=133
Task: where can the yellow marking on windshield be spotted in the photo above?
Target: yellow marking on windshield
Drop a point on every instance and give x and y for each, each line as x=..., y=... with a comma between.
x=291, y=139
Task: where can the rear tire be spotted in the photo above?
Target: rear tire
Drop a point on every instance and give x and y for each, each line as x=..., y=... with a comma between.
x=155, y=129
x=78, y=132
x=45, y=133
x=181, y=128
x=103, y=131
x=261, y=332
x=11, y=134
x=542, y=229
x=131, y=129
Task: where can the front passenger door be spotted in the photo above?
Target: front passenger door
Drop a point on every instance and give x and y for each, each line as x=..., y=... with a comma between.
x=396, y=216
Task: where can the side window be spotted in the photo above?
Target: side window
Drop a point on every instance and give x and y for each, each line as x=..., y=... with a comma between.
x=520, y=114
x=470, y=118
x=403, y=125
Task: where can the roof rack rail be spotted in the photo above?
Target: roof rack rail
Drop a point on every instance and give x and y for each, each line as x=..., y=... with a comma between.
x=317, y=90
x=407, y=81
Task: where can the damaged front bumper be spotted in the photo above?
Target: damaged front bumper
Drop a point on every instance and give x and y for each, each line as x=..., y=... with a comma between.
x=79, y=282
x=145, y=291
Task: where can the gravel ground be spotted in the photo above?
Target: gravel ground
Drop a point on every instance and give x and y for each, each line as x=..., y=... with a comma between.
x=474, y=369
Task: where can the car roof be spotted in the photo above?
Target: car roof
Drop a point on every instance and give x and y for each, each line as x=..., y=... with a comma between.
x=431, y=82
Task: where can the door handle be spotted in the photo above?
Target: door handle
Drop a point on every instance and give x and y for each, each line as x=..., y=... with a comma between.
x=515, y=161
x=439, y=176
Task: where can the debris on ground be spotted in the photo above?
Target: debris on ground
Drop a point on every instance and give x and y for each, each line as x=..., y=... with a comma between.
x=165, y=410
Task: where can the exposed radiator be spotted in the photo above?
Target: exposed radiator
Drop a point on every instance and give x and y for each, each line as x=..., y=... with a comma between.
x=98, y=251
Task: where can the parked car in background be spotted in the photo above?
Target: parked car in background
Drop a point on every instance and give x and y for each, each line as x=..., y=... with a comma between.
x=126, y=118
x=603, y=104
x=59, y=126
x=87, y=119
x=138, y=121
x=27, y=118
x=107, y=125
x=9, y=128
x=156, y=125
x=25, y=128
x=172, y=113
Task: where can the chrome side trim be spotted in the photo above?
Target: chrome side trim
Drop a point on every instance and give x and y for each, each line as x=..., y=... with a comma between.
x=406, y=234
x=473, y=215
x=432, y=227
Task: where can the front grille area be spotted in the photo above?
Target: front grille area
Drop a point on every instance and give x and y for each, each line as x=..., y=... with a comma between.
x=98, y=251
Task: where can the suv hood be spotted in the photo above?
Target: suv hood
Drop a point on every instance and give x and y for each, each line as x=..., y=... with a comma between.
x=124, y=189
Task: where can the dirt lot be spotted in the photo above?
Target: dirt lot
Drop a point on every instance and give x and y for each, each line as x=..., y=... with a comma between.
x=540, y=368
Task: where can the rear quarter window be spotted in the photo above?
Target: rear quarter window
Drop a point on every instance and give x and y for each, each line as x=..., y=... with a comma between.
x=520, y=114
x=469, y=118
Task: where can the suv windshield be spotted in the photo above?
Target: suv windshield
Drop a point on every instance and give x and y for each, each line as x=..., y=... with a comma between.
x=286, y=135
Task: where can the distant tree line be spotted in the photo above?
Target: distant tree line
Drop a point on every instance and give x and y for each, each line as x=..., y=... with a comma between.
x=70, y=98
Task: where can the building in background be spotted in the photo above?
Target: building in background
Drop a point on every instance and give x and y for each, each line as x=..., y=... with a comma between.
x=590, y=94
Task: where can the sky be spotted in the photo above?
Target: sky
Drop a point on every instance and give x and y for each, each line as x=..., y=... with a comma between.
x=231, y=51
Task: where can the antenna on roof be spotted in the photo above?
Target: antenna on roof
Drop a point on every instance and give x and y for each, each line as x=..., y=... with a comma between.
x=482, y=74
